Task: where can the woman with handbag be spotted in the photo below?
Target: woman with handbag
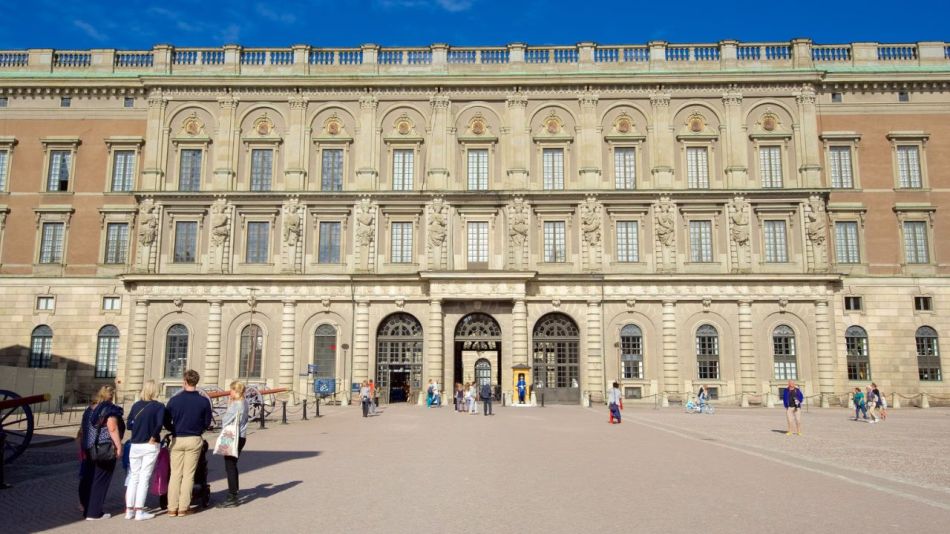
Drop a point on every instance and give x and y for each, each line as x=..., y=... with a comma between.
x=145, y=422
x=101, y=440
x=233, y=428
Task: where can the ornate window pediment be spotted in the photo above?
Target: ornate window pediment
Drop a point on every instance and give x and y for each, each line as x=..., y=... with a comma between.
x=478, y=131
x=770, y=126
x=263, y=130
x=624, y=129
x=697, y=127
x=403, y=131
x=192, y=130
x=552, y=129
x=333, y=131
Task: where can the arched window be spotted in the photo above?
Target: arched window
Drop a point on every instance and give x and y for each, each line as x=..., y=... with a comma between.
x=928, y=354
x=557, y=355
x=41, y=346
x=631, y=351
x=482, y=372
x=107, y=351
x=783, y=353
x=707, y=352
x=324, y=350
x=399, y=354
x=176, y=351
x=252, y=351
x=859, y=362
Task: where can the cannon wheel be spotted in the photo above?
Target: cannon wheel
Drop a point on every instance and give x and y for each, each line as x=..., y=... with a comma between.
x=17, y=424
x=219, y=405
x=257, y=404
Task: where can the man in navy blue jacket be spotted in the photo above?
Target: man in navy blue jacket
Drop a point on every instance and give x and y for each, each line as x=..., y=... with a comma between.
x=188, y=415
x=793, y=400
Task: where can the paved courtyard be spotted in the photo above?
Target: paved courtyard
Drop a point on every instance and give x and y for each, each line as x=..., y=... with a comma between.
x=554, y=469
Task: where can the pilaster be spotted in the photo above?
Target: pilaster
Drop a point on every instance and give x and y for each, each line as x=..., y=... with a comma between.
x=153, y=168
x=736, y=144
x=212, y=371
x=288, y=330
x=519, y=333
x=746, y=348
x=594, y=381
x=136, y=368
x=588, y=143
x=810, y=170
x=517, y=143
x=225, y=141
x=367, y=138
x=297, y=143
x=663, y=149
x=437, y=174
x=361, y=342
x=826, y=352
x=434, y=345
x=670, y=376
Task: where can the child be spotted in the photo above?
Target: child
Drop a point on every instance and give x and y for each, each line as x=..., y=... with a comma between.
x=859, y=405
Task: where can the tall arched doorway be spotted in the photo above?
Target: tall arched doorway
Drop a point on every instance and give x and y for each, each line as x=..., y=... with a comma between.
x=398, y=357
x=556, y=358
x=478, y=350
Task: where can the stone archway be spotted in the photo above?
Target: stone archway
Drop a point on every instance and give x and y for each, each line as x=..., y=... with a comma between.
x=477, y=343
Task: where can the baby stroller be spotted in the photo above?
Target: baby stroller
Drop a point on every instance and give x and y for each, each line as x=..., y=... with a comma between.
x=200, y=491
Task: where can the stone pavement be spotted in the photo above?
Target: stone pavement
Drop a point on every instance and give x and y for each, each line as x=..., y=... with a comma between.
x=554, y=469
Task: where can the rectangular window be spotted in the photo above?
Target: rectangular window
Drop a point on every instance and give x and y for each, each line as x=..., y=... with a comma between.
x=111, y=303
x=129, y=102
x=836, y=98
x=65, y=101
x=554, y=242
x=262, y=169
x=700, y=241
x=628, y=249
x=846, y=242
x=117, y=243
x=402, y=169
x=4, y=155
x=915, y=242
x=59, y=164
x=553, y=160
x=3, y=101
x=776, y=246
x=107, y=356
x=258, y=238
x=331, y=170
x=189, y=170
x=903, y=96
x=840, y=161
x=329, y=243
x=853, y=303
x=697, y=168
x=123, y=170
x=478, y=169
x=478, y=242
x=923, y=303
x=45, y=303
x=908, y=166
x=51, y=245
x=401, y=242
x=186, y=241
x=770, y=165
x=625, y=168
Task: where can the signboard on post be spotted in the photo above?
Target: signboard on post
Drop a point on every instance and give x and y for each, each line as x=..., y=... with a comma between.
x=323, y=387
x=311, y=368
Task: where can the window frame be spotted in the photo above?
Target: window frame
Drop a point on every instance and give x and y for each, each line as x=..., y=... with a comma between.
x=122, y=250
x=323, y=150
x=553, y=149
x=45, y=359
x=632, y=340
x=114, y=145
x=112, y=359
x=267, y=247
x=927, y=246
x=855, y=362
x=917, y=139
x=167, y=347
x=624, y=258
x=785, y=365
x=783, y=256
x=406, y=254
x=858, y=249
x=930, y=357
x=468, y=151
x=414, y=151
x=690, y=146
x=7, y=144
x=554, y=250
x=703, y=355
x=243, y=359
x=249, y=155
x=712, y=240
x=202, y=148
x=860, y=302
x=52, y=144
x=340, y=238
x=174, y=241
x=849, y=141
x=483, y=247
x=44, y=298
x=923, y=303
x=115, y=215
x=770, y=183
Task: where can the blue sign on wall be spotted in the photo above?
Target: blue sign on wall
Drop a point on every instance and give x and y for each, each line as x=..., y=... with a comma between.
x=324, y=386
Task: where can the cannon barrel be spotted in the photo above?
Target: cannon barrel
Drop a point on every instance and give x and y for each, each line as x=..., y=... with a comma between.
x=216, y=394
x=23, y=401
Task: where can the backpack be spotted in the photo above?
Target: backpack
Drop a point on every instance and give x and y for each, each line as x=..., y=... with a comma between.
x=486, y=391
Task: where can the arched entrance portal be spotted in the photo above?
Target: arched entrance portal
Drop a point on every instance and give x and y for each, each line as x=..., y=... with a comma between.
x=398, y=357
x=478, y=350
x=556, y=358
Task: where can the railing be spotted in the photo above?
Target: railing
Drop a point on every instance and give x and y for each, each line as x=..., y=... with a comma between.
x=655, y=56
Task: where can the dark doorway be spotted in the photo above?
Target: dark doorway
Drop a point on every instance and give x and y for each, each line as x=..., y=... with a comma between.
x=556, y=359
x=478, y=350
x=398, y=356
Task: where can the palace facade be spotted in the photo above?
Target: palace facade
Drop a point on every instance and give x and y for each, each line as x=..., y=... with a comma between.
x=730, y=214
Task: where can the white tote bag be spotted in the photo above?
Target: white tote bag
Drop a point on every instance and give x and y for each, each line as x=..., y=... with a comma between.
x=227, y=443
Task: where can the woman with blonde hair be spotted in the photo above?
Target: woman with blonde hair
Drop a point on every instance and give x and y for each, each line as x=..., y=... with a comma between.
x=237, y=411
x=100, y=437
x=146, y=421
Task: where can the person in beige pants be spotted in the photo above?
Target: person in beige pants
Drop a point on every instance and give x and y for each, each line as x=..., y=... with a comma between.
x=188, y=415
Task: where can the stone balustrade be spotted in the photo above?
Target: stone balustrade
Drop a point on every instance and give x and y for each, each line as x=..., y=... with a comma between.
x=656, y=56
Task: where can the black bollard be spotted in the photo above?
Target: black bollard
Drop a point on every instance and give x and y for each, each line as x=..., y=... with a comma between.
x=305, y=409
x=260, y=406
x=283, y=412
x=3, y=450
x=318, y=406
x=542, y=399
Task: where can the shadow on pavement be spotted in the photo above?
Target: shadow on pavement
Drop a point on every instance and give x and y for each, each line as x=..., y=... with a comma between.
x=252, y=460
x=263, y=491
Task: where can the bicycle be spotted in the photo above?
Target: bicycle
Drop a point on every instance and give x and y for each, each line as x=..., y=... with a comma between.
x=692, y=407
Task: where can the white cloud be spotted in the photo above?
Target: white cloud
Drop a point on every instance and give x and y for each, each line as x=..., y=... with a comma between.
x=453, y=6
x=270, y=14
x=90, y=30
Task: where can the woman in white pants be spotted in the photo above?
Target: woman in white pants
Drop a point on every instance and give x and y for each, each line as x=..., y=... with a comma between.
x=472, y=396
x=145, y=421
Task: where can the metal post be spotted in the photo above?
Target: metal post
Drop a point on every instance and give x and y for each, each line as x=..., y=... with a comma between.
x=260, y=406
x=3, y=448
x=283, y=412
x=305, y=409
x=60, y=405
x=318, y=406
x=542, y=398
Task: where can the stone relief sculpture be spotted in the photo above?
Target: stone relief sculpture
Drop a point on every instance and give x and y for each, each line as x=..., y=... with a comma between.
x=815, y=228
x=220, y=233
x=519, y=214
x=436, y=231
x=147, y=234
x=739, y=233
x=665, y=228
x=591, y=215
x=292, y=214
x=365, y=231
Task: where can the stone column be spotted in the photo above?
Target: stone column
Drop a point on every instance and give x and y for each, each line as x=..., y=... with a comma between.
x=807, y=137
x=135, y=373
x=826, y=351
x=361, y=342
x=212, y=373
x=434, y=349
x=225, y=142
x=594, y=379
x=519, y=333
x=670, y=377
x=365, y=143
x=736, y=143
x=662, y=142
x=518, y=146
x=588, y=144
x=288, y=330
x=153, y=153
x=297, y=144
x=437, y=173
x=746, y=350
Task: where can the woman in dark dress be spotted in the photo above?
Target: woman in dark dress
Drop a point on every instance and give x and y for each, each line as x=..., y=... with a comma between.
x=101, y=423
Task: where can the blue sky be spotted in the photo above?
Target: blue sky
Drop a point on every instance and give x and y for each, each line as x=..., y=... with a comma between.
x=134, y=24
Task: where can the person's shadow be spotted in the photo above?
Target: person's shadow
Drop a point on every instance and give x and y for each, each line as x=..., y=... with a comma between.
x=263, y=491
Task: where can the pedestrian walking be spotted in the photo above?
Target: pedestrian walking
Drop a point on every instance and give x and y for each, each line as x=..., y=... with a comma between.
x=365, y=398
x=436, y=395
x=429, y=394
x=459, y=397
x=237, y=411
x=145, y=423
x=372, y=398
x=860, y=407
x=486, y=396
x=615, y=403
x=188, y=415
x=793, y=400
x=882, y=402
x=100, y=436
